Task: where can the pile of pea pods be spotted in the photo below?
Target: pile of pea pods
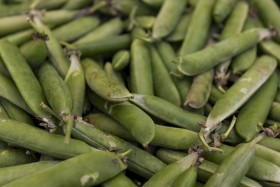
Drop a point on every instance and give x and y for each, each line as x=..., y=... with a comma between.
x=152, y=93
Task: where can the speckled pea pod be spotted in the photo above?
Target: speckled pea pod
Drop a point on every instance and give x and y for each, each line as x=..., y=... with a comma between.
x=76, y=171
x=203, y=60
x=200, y=90
x=19, y=38
x=187, y=178
x=251, y=116
x=120, y=60
x=275, y=111
x=162, y=82
x=272, y=48
x=119, y=180
x=13, y=157
x=198, y=29
x=222, y=9
x=101, y=84
x=113, y=74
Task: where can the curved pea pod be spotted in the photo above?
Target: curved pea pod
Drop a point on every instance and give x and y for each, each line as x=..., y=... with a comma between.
x=72, y=30
x=13, y=157
x=9, y=174
x=110, y=28
x=270, y=47
x=251, y=116
x=76, y=171
x=187, y=178
x=275, y=111
x=25, y=80
x=146, y=22
x=38, y=140
x=272, y=143
x=154, y=3
x=35, y=52
x=101, y=84
x=198, y=29
x=143, y=130
x=269, y=12
x=73, y=4
x=75, y=81
x=139, y=161
x=168, y=17
x=21, y=37
x=268, y=154
x=222, y=9
x=169, y=173
x=203, y=60
x=119, y=180
x=200, y=90
x=162, y=82
x=240, y=92
x=120, y=60
x=168, y=112
x=16, y=113
x=111, y=73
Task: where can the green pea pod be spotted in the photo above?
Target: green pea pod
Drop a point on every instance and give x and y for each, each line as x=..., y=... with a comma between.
x=200, y=90
x=154, y=3
x=13, y=157
x=222, y=9
x=75, y=81
x=38, y=140
x=119, y=180
x=168, y=112
x=9, y=174
x=203, y=60
x=76, y=171
x=120, y=60
x=110, y=28
x=72, y=30
x=49, y=5
x=187, y=178
x=270, y=47
x=10, y=9
x=215, y=95
x=101, y=84
x=168, y=17
x=268, y=154
x=139, y=161
x=3, y=113
x=198, y=29
x=240, y=92
x=162, y=82
x=111, y=73
x=25, y=80
x=35, y=52
x=143, y=130
x=169, y=173
x=21, y=37
x=73, y=4
x=146, y=22
x=272, y=143
x=275, y=111
x=250, y=117
x=16, y=113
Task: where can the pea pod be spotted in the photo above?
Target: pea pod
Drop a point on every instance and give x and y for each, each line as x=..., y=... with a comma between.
x=270, y=142
x=3, y=113
x=13, y=157
x=76, y=171
x=73, y=5
x=111, y=73
x=274, y=111
x=146, y=22
x=268, y=154
x=154, y=3
x=270, y=47
x=119, y=180
x=222, y=9
x=19, y=38
x=120, y=60
x=187, y=178
x=51, y=4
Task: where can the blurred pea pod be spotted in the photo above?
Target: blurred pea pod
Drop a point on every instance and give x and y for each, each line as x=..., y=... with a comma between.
x=3, y=113
x=113, y=74
x=222, y=9
x=13, y=157
x=74, y=4
x=154, y=3
x=272, y=48
x=119, y=180
x=120, y=60
x=275, y=111
x=20, y=37
x=3, y=69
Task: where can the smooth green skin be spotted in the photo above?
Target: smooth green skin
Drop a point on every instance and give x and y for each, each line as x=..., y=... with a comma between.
x=21, y=37
x=101, y=84
x=74, y=4
x=275, y=111
x=139, y=161
x=113, y=74
x=119, y=180
x=215, y=95
x=110, y=28
x=72, y=30
x=240, y=92
x=83, y=170
x=198, y=28
x=141, y=76
x=13, y=157
x=268, y=154
x=272, y=48
x=269, y=13
x=200, y=90
x=146, y=22
x=222, y=9
x=163, y=85
x=168, y=17
x=187, y=178
x=38, y=140
x=120, y=60
x=9, y=174
x=16, y=113
x=55, y=90
x=168, y=112
x=203, y=60
x=104, y=45
x=256, y=109
x=169, y=173
x=35, y=52
x=24, y=78
x=143, y=129
x=76, y=83
x=50, y=4
x=154, y=3
x=272, y=143
x=14, y=8
x=179, y=32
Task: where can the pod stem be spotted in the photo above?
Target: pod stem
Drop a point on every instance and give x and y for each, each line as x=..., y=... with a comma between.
x=69, y=122
x=208, y=147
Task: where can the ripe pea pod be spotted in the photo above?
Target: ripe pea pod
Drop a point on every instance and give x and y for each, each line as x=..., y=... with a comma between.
x=25, y=80
x=168, y=112
x=195, y=63
x=9, y=174
x=168, y=17
x=120, y=60
x=101, y=84
x=162, y=82
x=187, y=178
x=139, y=161
x=19, y=38
x=272, y=48
x=112, y=74
x=119, y=180
x=222, y=9
x=250, y=117
x=39, y=140
x=169, y=173
x=76, y=171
